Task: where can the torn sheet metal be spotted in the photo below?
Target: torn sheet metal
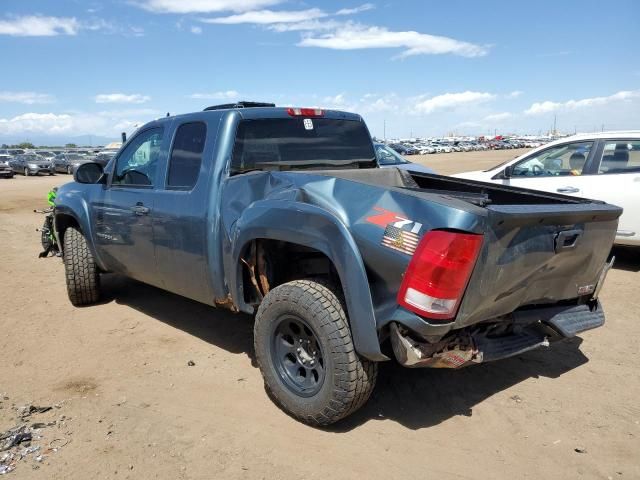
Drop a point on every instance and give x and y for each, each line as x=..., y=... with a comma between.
x=452, y=352
x=464, y=348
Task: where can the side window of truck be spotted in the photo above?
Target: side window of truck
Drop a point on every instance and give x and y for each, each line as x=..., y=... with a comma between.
x=136, y=165
x=186, y=155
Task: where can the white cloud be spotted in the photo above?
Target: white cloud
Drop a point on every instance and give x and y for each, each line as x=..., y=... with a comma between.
x=266, y=17
x=351, y=36
x=108, y=123
x=350, y=11
x=337, y=102
x=47, y=123
x=223, y=95
x=121, y=98
x=452, y=100
x=382, y=104
x=514, y=94
x=28, y=98
x=498, y=117
x=540, y=108
x=196, y=30
x=204, y=6
x=39, y=26
x=306, y=26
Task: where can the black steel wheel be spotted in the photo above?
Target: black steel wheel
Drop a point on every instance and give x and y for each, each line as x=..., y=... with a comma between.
x=306, y=354
x=297, y=356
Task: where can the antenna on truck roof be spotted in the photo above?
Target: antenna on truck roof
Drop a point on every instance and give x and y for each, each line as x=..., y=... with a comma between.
x=242, y=104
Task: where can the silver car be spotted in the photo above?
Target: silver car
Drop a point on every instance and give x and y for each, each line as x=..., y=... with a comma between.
x=68, y=162
x=31, y=164
x=389, y=158
x=5, y=167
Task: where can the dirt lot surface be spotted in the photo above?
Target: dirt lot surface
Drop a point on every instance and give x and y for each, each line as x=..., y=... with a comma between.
x=129, y=406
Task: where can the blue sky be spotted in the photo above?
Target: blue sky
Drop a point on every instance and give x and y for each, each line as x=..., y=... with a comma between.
x=420, y=67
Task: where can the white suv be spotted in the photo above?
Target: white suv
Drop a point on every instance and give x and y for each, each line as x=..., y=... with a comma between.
x=603, y=166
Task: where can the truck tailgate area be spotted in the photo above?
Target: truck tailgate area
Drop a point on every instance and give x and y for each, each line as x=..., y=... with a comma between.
x=538, y=256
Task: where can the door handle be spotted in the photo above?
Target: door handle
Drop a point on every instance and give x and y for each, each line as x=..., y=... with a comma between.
x=567, y=190
x=140, y=209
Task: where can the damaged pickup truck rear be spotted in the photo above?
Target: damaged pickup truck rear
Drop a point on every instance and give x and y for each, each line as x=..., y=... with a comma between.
x=281, y=213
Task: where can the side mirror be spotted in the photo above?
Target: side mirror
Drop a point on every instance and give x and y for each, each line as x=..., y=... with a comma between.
x=508, y=171
x=89, y=173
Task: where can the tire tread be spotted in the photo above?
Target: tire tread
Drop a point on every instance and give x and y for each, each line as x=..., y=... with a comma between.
x=83, y=278
x=355, y=377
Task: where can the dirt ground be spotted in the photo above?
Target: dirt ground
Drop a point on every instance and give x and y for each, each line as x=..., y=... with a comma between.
x=131, y=407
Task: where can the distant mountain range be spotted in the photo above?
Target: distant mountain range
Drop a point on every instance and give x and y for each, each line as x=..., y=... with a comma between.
x=58, y=140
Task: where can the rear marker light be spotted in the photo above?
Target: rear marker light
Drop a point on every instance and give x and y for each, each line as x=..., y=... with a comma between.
x=438, y=273
x=305, y=112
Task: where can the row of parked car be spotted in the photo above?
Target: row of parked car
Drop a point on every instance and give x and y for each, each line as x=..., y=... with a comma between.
x=48, y=162
x=429, y=147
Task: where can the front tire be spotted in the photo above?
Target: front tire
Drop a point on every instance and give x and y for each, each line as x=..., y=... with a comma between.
x=26, y=172
x=83, y=279
x=306, y=355
x=69, y=170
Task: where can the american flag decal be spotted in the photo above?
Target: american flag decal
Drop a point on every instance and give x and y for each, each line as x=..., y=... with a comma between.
x=400, y=240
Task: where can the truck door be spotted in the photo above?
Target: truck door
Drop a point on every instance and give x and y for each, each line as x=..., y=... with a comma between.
x=181, y=213
x=123, y=215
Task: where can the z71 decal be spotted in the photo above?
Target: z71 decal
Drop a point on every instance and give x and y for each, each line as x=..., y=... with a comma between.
x=400, y=233
x=387, y=217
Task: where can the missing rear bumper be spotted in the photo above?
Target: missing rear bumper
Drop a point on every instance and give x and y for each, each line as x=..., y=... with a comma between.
x=515, y=334
x=462, y=348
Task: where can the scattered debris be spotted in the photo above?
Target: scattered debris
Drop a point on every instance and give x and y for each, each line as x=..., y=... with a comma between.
x=16, y=443
x=516, y=398
x=28, y=410
x=57, y=443
x=580, y=450
x=191, y=363
x=16, y=439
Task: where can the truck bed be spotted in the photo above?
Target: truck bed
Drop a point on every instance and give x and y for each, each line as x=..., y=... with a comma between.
x=539, y=248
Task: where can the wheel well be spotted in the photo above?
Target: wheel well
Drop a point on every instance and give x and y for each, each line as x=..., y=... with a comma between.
x=269, y=263
x=62, y=223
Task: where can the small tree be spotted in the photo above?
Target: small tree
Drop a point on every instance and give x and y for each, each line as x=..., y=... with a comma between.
x=70, y=145
x=25, y=145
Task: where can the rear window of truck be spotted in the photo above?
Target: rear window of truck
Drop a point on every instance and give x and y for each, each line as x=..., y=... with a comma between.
x=301, y=143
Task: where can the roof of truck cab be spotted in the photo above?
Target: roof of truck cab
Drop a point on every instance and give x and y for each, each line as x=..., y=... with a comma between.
x=255, y=113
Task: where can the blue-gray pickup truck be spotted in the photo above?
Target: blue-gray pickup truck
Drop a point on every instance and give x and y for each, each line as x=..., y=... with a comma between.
x=283, y=213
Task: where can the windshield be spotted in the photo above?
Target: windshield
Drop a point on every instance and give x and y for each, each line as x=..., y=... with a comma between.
x=301, y=143
x=388, y=156
x=75, y=156
x=16, y=152
x=45, y=154
x=32, y=158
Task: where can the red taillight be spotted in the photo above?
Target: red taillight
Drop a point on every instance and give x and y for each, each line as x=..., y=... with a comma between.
x=305, y=112
x=438, y=273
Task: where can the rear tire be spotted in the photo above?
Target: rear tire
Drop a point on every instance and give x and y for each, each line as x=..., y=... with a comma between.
x=300, y=322
x=83, y=279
